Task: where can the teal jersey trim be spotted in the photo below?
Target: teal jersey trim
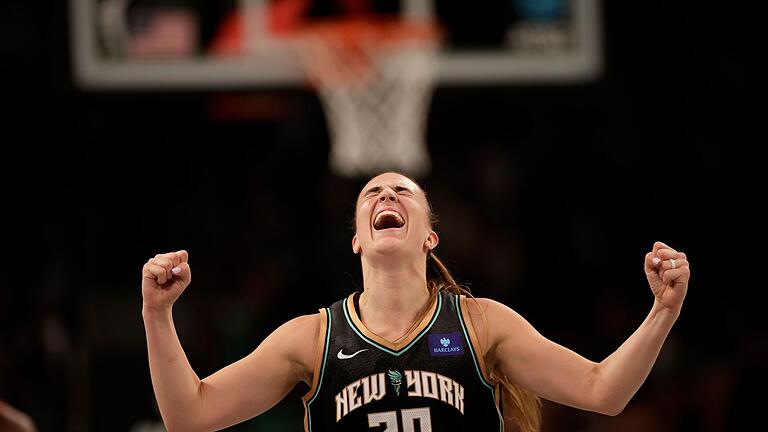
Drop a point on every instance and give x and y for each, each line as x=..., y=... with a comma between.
x=405, y=348
x=322, y=369
x=474, y=359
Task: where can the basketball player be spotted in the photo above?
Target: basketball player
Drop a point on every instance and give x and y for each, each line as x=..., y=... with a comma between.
x=409, y=350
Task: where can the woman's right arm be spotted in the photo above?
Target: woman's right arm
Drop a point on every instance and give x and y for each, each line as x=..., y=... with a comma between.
x=235, y=393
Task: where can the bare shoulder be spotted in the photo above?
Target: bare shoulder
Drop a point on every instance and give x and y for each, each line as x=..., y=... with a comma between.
x=302, y=326
x=483, y=309
x=491, y=319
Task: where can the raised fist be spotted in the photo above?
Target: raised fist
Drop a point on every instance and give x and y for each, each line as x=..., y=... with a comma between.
x=668, y=273
x=164, y=278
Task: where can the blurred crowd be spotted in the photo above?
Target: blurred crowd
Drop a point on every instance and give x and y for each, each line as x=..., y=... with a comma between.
x=548, y=197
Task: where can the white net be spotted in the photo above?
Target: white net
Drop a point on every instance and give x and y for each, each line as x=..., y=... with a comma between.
x=375, y=88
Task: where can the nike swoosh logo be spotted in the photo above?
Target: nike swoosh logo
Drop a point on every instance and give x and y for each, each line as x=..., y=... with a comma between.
x=342, y=356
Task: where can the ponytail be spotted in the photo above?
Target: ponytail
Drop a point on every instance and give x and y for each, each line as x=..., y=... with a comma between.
x=520, y=405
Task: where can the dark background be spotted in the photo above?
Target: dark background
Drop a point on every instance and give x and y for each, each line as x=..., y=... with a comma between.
x=548, y=196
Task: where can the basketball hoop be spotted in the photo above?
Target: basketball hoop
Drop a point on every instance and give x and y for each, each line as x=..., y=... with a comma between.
x=375, y=79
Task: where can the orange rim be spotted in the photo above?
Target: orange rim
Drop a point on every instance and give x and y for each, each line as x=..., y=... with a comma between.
x=344, y=51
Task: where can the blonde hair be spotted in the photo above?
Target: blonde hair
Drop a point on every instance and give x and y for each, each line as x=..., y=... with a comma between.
x=519, y=405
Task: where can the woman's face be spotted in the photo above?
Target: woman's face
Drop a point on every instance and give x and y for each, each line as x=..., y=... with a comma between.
x=392, y=217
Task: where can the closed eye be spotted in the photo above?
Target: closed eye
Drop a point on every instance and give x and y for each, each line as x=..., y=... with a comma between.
x=398, y=189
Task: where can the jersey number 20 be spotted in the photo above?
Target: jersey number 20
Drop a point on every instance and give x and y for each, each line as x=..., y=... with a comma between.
x=409, y=416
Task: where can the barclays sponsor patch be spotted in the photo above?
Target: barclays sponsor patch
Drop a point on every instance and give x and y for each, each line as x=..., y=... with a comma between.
x=445, y=344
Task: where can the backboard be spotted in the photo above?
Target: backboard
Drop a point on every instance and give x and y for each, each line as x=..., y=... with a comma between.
x=179, y=44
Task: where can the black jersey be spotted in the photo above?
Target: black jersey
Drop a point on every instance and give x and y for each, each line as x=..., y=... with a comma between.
x=433, y=380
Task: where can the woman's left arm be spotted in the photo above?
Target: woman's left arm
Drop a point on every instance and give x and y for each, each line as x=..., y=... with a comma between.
x=559, y=374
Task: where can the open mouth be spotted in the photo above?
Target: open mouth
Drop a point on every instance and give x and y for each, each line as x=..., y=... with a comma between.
x=388, y=219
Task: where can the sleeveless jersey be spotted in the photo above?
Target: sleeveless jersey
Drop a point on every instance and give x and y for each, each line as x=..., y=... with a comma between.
x=433, y=380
